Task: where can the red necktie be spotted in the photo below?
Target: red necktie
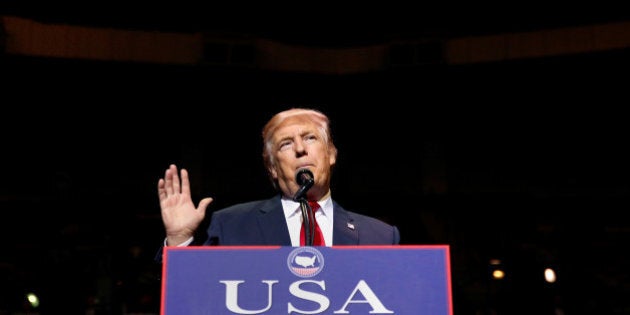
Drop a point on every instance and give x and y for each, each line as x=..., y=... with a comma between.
x=318, y=237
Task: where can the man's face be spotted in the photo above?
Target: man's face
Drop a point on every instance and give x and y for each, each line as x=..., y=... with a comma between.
x=297, y=144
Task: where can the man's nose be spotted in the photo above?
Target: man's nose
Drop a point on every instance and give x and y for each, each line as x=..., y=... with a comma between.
x=300, y=148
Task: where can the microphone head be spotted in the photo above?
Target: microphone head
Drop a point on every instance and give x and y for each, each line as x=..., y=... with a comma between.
x=305, y=179
x=304, y=176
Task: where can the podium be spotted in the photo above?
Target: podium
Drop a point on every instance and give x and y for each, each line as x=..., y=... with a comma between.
x=400, y=279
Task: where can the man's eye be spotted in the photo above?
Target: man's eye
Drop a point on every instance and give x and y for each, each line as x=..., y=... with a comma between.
x=285, y=146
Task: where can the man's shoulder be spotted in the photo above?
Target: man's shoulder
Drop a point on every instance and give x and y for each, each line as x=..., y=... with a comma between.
x=371, y=230
x=369, y=219
x=249, y=206
x=359, y=217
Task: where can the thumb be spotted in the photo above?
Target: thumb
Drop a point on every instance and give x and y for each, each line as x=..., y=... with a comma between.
x=203, y=204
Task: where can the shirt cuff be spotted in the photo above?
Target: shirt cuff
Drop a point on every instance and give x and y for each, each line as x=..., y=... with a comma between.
x=186, y=243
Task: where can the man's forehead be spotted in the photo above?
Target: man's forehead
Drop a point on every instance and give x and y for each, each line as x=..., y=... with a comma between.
x=294, y=125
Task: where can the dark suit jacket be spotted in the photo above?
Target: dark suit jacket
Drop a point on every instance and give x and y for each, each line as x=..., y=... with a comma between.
x=262, y=222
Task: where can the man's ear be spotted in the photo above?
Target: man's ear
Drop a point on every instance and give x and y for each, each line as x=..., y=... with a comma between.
x=273, y=172
x=332, y=157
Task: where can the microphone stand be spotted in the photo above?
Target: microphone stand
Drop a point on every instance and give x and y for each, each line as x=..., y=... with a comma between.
x=308, y=221
x=304, y=178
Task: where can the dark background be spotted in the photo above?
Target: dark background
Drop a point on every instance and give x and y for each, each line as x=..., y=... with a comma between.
x=523, y=161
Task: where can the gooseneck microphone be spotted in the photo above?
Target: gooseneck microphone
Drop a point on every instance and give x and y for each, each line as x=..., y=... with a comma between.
x=305, y=179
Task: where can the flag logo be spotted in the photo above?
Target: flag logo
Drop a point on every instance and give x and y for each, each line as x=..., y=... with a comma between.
x=305, y=261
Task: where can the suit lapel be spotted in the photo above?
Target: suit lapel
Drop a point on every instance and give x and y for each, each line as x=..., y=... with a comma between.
x=272, y=223
x=345, y=231
x=274, y=230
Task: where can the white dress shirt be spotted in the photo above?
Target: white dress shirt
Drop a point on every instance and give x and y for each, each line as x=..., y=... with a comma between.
x=324, y=217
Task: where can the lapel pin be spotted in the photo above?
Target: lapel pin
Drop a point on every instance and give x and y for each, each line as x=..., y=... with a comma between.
x=350, y=226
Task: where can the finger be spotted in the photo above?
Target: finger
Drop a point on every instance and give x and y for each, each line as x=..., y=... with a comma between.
x=185, y=182
x=161, y=189
x=168, y=179
x=203, y=204
x=176, y=184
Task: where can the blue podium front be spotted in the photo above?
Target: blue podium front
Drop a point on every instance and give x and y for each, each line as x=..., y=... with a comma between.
x=407, y=280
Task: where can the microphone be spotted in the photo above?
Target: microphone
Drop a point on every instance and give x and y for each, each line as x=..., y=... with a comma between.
x=305, y=179
x=304, y=176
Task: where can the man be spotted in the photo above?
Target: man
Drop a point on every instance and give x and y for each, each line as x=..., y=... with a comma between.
x=294, y=140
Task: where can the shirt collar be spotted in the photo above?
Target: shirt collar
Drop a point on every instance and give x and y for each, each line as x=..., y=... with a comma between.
x=292, y=208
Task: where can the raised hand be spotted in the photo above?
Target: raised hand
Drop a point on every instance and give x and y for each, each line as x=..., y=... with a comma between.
x=180, y=216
